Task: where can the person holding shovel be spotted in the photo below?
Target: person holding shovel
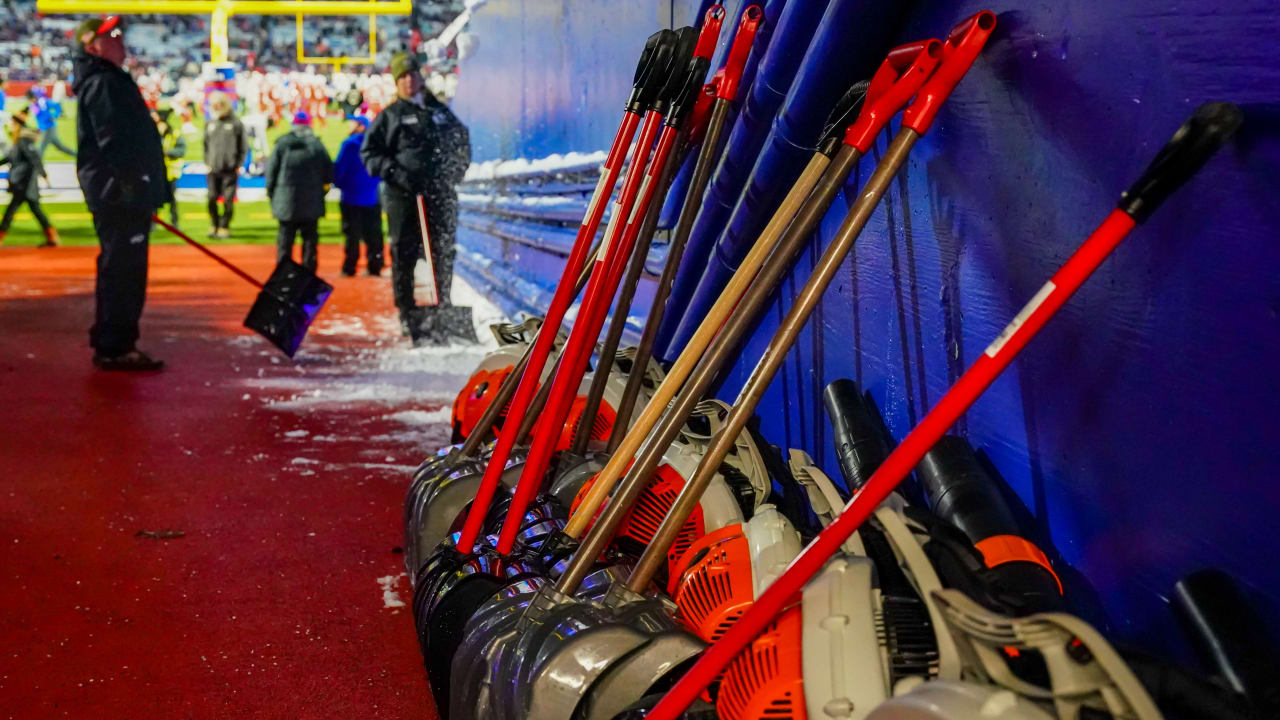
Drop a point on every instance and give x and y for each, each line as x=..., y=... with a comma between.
x=25, y=171
x=420, y=150
x=120, y=166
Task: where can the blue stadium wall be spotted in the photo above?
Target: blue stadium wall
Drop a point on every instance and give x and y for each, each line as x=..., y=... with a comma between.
x=1139, y=429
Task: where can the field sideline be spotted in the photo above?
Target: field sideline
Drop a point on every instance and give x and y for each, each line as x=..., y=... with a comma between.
x=253, y=225
x=332, y=134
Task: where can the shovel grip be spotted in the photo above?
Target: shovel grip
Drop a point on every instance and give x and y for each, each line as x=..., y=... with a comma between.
x=653, y=70
x=962, y=47
x=752, y=18
x=891, y=88
x=1189, y=148
x=711, y=24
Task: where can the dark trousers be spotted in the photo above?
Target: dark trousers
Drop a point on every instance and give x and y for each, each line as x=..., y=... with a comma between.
x=173, y=206
x=15, y=203
x=50, y=137
x=310, y=231
x=362, y=224
x=406, y=242
x=222, y=184
x=122, y=277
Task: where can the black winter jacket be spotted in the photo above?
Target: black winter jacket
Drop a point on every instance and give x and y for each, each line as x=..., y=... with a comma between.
x=297, y=173
x=417, y=149
x=25, y=167
x=120, y=161
x=225, y=145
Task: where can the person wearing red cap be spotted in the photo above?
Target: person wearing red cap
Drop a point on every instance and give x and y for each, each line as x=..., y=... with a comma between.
x=120, y=165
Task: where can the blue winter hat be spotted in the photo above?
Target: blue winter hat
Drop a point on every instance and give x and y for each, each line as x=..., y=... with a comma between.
x=301, y=118
x=360, y=119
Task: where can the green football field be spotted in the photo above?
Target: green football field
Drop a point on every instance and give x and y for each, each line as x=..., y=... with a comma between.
x=331, y=134
x=253, y=224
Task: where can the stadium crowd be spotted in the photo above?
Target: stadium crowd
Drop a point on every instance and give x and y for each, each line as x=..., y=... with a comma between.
x=36, y=47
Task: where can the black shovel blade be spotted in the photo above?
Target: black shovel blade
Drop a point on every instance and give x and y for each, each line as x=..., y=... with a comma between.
x=440, y=324
x=289, y=301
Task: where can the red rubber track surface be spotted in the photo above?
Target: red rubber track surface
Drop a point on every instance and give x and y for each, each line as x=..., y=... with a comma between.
x=269, y=606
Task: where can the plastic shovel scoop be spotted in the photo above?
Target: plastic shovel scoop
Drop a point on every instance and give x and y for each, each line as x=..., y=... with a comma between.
x=287, y=302
x=439, y=321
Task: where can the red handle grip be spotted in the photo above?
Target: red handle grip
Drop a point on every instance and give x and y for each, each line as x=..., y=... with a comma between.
x=962, y=48
x=752, y=17
x=711, y=24
x=891, y=88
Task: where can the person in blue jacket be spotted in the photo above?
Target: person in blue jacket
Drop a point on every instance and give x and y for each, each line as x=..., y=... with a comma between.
x=361, y=214
x=47, y=113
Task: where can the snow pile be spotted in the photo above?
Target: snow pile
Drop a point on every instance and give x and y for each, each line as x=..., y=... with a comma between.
x=364, y=362
x=499, y=169
x=422, y=417
x=391, y=598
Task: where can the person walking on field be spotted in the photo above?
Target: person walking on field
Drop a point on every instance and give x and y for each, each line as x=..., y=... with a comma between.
x=121, y=171
x=361, y=214
x=25, y=171
x=225, y=146
x=419, y=148
x=175, y=147
x=47, y=113
x=298, y=176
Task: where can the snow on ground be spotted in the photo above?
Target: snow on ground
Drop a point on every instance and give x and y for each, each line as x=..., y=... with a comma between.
x=379, y=391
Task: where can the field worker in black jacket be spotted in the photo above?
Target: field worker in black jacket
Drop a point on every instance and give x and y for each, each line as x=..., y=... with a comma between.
x=225, y=146
x=417, y=147
x=25, y=171
x=120, y=164
x=298, y=175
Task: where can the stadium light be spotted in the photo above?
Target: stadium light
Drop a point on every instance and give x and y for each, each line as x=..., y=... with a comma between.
x=220, y=11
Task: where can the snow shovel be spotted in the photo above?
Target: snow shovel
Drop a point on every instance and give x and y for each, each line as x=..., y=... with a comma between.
x=632, y=229
x=650, y=77
x=532, y=473
x=286, y=304
x=647, y=82
x=446, y=609
x=455, y=598
x=439, y=321
x=1189, y=149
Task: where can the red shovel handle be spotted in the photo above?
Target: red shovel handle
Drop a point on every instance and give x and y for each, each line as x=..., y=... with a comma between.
x=216, y=257
x=752, y=17
x=530, y=379
x=899, y=77
x=962, y=47
x=710, y=32
x=1190, y=148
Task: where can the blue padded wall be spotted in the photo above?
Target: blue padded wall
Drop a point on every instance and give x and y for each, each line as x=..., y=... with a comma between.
x=1139, y=429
